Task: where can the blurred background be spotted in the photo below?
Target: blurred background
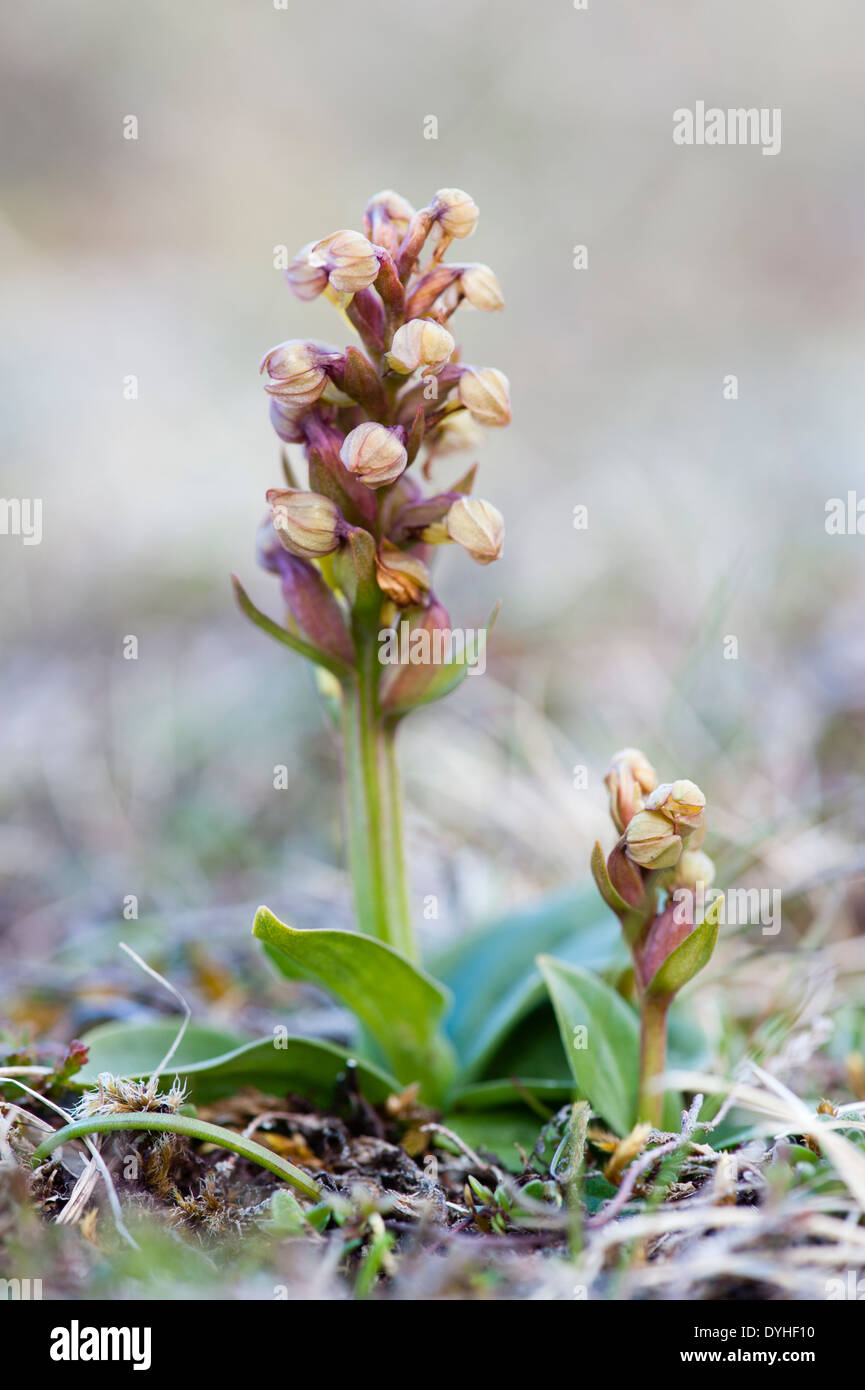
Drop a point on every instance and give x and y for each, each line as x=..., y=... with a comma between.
x=261, y=127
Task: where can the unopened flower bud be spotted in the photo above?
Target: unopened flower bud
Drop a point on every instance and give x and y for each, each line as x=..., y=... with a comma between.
x=344, y=258
x=374, y=453
x=308, y=524
x=420, y=343
x=430, y=288
x=297, y=371
x=269, y=550
x=312, y=605
x=485, y=393
x=651, y=842
x=455, y=433
x=481, y=288
x=403, y=577
x=386, y=219
x=631, y=775
x=456, y=213
x=286, y=421
x=306, y=278
x=681, y=802
x=693, y=868
x=478, y=527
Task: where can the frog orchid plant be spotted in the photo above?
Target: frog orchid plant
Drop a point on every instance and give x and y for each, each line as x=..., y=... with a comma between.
x=655, y=881
x=353, y=551
x=474, y=1036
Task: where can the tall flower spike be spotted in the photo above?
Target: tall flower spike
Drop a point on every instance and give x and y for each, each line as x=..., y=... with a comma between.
x=654, y=880
x=351, y=550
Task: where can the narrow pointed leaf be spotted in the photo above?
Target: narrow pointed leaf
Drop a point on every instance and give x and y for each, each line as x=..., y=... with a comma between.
x=611, y=897
x=281, y=634
x=604, y=1059
x=447, y=676
x=689, y=956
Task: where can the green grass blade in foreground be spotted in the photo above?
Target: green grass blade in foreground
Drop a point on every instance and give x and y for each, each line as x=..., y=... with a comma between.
x=606, y=1067
x=192, y=1129
x=399, y=1005
x=215, y=1064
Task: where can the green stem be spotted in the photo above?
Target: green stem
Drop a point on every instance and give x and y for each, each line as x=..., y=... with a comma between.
x=399, y=870
x=193, y=1129
x=376, y=857
x=653, y=1056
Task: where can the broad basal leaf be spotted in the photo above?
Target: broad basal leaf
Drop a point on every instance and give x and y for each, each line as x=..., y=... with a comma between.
x=536, y=1093
x=600, y=1035
x=399, y=1005
x=217, y=1064
x=495, y=980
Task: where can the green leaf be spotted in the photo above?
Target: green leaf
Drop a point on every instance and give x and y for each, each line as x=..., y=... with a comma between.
x=494, y=978
x=467, y=481
x=447, y=676
x=597, y=1191
x=281, y=634
x=533, y=1047
x=399, y=1005
x=354, y=569
x=538, y=1094
x=497, y=1131
x=287, y=1217
x=608, y=892
x=217, y=1064
x=689, y=956
x=606, y=1069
